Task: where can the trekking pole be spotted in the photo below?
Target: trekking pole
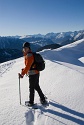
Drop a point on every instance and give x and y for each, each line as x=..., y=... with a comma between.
x=19, y=91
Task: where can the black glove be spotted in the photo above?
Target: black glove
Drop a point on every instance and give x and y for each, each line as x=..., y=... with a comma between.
x=20, y=76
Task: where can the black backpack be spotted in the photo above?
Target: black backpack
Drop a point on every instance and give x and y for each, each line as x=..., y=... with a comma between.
x=38, y=62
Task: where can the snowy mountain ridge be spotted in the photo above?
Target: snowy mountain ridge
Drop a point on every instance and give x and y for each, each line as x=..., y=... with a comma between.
x=55, y=37
x=62, y=81
x=38, y=40
x=59, y=37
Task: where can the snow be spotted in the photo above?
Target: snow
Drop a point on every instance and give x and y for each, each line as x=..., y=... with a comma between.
x=77, y=36
x=61, y=35
x=30, y=36
x=62, y=82
x=81, y=59
x=26, y=36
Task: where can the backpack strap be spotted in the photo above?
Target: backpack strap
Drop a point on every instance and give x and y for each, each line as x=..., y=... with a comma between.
x=33, y=62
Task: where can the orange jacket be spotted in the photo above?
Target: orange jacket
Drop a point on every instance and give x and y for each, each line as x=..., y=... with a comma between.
x=29, y=59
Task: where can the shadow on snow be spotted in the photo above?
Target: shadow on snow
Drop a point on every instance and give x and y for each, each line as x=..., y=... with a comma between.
x=30, y=114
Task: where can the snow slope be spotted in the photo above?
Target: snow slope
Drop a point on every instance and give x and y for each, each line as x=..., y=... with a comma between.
x=62, y=82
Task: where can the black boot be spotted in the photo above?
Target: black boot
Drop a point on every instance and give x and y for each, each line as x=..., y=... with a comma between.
x=43, y=102
x=28, y=103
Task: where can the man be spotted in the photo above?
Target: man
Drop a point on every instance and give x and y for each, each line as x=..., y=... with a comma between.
x=33, y=75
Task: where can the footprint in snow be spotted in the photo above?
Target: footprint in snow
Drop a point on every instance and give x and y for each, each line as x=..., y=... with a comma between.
x=29, y=117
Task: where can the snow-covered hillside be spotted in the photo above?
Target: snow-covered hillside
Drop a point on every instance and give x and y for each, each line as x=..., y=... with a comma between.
x=62, y=82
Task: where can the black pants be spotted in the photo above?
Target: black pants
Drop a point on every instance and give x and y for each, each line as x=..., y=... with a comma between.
x=34, y=85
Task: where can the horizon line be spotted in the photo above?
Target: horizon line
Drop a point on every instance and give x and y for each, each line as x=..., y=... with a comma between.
x=39, y=33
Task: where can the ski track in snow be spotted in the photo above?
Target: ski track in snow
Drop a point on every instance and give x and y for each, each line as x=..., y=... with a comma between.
x=4, y=67
x=62, y=82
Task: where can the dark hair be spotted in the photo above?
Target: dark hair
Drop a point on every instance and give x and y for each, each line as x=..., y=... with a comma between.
x=26, y=44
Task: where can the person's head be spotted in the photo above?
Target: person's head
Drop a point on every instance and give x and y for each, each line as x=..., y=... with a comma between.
x=26, y=47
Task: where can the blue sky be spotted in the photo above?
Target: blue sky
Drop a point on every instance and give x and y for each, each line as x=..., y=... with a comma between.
x=24, y=17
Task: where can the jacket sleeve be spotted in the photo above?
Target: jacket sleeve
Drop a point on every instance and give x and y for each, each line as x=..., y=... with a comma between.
x=29, y=61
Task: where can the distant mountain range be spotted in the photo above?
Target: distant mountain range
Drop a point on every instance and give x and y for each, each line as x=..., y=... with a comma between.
x=38, y=42
x=59, y=38
x=8, y=54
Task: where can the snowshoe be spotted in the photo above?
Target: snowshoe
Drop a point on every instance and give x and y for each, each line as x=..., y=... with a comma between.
x=31, y=105
x=27, y=103
x=44, y=102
